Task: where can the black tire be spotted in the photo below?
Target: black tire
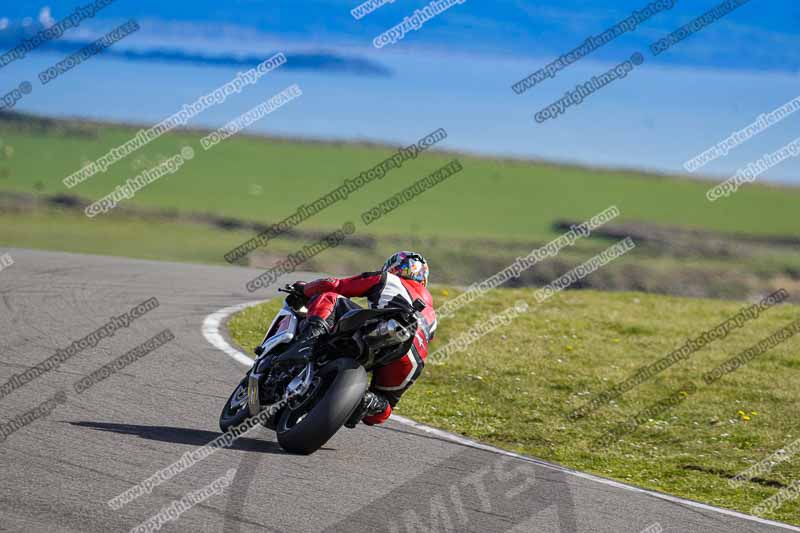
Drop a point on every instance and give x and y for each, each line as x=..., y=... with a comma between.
x=231, y=416
x=342, y=386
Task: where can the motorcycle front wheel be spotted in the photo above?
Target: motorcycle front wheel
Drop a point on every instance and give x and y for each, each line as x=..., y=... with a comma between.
x=306, y=427
x=235, y=411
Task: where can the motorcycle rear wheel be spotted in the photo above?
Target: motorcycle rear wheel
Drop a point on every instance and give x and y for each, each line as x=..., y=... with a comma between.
x=307, y=428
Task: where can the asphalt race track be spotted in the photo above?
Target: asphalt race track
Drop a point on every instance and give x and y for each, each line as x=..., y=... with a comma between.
x=59, y=471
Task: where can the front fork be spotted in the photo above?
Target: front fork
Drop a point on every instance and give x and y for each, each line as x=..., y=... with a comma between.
x=253, y=395
x=297, y=387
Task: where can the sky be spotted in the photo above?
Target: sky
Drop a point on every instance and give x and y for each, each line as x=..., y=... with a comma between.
x=455, y=72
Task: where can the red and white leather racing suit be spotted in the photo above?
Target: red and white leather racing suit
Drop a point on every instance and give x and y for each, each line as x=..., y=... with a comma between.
x=328, y=300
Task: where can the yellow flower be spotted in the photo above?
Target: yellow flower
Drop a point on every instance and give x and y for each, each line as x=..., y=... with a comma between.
x=569, y=347
x=745, y=418
x=741, y=413
x=445, y=292
x=753, y=413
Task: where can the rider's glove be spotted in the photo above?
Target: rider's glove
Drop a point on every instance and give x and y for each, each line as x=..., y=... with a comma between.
x=299, y=286
x=297, y=299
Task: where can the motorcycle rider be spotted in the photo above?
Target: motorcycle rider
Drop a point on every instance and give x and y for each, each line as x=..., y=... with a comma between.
x=404, y=277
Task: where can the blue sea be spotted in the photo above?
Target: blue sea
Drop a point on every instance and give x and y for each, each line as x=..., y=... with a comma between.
x=455, y=71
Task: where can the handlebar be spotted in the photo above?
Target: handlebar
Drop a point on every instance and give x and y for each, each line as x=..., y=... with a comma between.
x=296, y=298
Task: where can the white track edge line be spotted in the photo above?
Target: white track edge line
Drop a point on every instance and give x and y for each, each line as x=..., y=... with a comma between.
x=211, y=332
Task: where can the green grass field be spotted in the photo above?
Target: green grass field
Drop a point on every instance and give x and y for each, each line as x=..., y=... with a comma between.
x=266, y=179
x=515, y=387
x=469, y=227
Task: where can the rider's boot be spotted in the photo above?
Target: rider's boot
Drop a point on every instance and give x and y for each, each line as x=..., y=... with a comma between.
x=371, y=404
x=310, y=329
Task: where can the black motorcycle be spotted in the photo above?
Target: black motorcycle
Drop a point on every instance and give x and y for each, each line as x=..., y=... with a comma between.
x=314, y=391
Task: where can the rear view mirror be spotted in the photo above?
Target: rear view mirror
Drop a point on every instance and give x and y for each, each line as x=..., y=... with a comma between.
x=419, y=305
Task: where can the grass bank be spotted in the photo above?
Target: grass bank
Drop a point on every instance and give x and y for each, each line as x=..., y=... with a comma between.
x=515, y=387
